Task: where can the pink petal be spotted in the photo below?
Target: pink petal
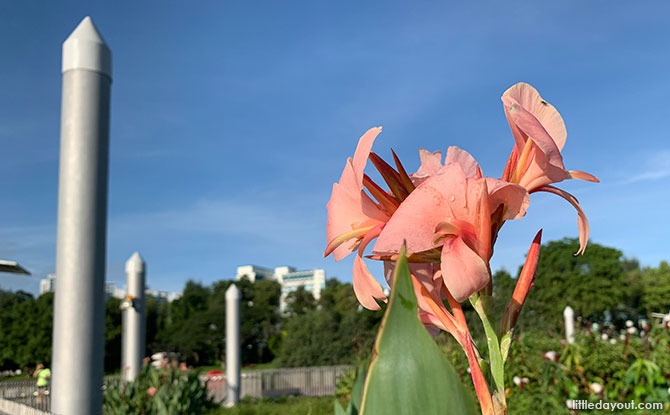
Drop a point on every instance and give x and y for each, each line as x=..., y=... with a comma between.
x=465, y=160
x=527, y=97
x=580, y=175
x=481, y=240
x=432, y=323
x=415, y=221
x=366, y=287
x=540, y=173
x=582, y=221
x=349, y=206
x=424, y=275
x=515, y=198
x=534, y=129
x=464, y=271
x=363, y=151
x=431, y=163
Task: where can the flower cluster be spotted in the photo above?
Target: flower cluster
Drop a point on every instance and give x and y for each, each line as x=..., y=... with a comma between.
x=447, y=216
x=447, y=213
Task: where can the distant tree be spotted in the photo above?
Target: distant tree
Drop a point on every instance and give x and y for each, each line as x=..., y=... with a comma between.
x=337, y=331
x=260, y=319
x=634, y=285
x=656, y=289
x=299, y=302
x=195, y=298
x=113, y=328
x=589, y=283
x=157, y=321
x=25, y=329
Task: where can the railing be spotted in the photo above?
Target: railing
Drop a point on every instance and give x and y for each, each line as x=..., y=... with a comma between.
x=22, y=397
x=306, y=381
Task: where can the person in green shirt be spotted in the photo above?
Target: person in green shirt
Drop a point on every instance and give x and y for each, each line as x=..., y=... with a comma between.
x=43, y=375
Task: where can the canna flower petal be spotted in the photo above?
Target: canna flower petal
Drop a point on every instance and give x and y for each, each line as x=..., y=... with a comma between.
x=362, y=152
x=424, y=275
x=544, y=121
x=366, y=287
x=431, y=165
x=582, y=221
x=513, y=197
x=354, y=216
x=350, y=210
x=456, y=155
x=464, y=271
x=424, y=209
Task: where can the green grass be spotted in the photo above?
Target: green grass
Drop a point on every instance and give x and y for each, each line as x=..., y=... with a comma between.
x=288, y=405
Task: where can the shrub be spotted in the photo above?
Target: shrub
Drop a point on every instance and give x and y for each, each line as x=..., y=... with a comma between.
x=165, y=391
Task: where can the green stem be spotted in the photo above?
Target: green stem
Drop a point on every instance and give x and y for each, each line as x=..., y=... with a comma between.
x=481, y=304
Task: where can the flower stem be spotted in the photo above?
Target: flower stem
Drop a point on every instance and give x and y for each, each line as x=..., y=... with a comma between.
x=497, y=363
x=465, y=339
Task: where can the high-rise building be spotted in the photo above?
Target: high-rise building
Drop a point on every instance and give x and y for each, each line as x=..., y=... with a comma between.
x=313, y=280
x=48, y=284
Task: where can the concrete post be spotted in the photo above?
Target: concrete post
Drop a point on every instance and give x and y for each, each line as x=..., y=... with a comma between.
x=134, y=316
x=79, y=305
x=233, y=376
x=569, y=318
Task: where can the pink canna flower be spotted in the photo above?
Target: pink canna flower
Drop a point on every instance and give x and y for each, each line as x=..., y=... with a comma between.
x=354, y=216
x=536, y=161
x=447, y=220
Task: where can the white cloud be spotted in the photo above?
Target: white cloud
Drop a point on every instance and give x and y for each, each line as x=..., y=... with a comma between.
x=656, y=167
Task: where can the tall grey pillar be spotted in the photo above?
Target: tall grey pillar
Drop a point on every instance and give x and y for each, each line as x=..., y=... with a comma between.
x=134, y=319
x=233, y=375
x=79, y=305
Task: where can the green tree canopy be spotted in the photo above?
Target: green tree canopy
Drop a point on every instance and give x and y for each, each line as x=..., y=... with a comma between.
x=589, y=283
x=337, y=331
x=656, y=289
x=299, y=302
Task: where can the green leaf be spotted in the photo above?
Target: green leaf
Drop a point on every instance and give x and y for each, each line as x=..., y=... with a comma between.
x=357, y=390
x=339, y=410
x=409, y=373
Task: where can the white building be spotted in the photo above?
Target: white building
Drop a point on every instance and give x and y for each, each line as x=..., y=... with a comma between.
x=313, y=280
x=48, y=284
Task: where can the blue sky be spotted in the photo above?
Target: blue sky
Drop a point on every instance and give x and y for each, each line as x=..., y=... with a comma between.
x=231, y=121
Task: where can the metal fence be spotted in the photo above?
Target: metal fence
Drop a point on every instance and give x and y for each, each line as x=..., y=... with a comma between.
x=306, y=381
x=23, y=397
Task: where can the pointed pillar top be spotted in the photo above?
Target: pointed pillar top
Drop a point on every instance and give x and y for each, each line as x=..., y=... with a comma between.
x=568, y=312
x=233, y=293
x=86, y=49
x=135, y=263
